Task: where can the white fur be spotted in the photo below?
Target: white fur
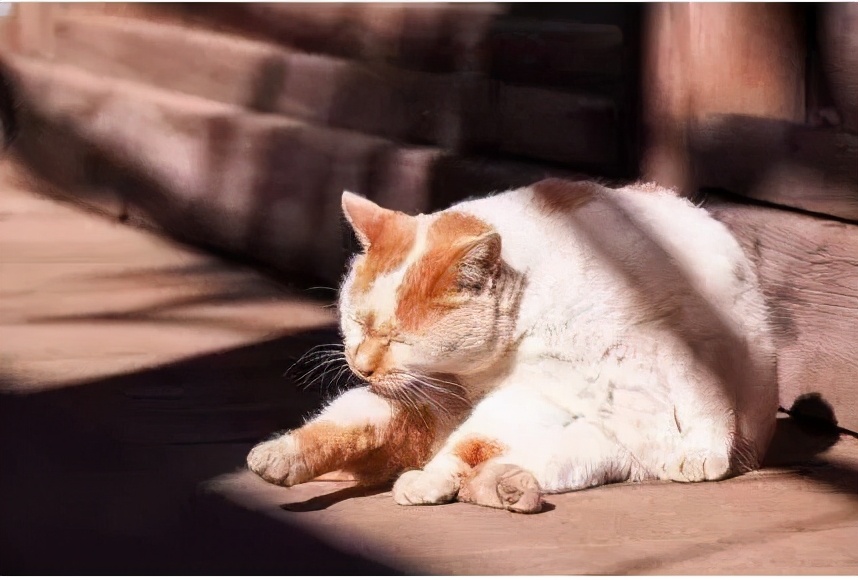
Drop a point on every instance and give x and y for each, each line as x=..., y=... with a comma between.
x=603, y=378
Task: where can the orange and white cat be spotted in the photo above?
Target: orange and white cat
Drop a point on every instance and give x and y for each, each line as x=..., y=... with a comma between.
x=546, y=339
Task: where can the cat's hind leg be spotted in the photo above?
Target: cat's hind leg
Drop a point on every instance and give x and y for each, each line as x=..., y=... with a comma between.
x=704, y=452
x=502, y=486
x=521, y=429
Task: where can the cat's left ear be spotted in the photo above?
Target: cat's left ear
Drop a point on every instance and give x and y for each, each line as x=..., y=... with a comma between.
x=480, y=262
x=365, y=217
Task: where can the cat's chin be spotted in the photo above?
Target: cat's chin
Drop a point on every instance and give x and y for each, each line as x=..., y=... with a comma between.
x=389, y=387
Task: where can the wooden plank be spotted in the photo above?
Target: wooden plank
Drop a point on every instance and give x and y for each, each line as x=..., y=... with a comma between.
x=810, y=168
x=809, y=272
x=440, y=37
x=552, y=53
x=715, y=59
x=838, y=37
x=33, y=26
x=724, y=106
x=462, y=112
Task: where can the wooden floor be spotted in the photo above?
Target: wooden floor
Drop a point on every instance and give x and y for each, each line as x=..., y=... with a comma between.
x=136, y=375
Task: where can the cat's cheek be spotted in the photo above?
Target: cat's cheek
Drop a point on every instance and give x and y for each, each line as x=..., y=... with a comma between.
x=404, y=356
x=352, y=334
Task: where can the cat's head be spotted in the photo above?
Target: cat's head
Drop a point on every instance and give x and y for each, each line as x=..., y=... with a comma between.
x=428, y=296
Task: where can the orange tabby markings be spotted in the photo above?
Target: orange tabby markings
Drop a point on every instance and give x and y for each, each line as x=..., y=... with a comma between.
x=558, y=195
x=391, y=236
x=476, y=450
x=429, y=283
x=408, y=443
x=371, y=454
x=325, y=446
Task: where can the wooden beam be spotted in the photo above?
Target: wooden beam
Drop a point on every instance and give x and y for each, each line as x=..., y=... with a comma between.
x=838, y=39
x=789, y=164
x=705, y=60
x=809, y=272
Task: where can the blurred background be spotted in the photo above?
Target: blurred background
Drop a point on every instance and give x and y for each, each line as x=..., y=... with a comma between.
x=232, y=130
x=239, y=125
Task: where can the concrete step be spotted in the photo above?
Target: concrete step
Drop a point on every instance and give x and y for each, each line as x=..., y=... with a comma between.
x=463, y=112
x=261, y=186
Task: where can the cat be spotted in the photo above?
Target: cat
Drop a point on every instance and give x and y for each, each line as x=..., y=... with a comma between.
x=542, y=340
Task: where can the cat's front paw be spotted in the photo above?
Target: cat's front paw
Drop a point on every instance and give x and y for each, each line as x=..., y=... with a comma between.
x=279, y=461
x=420, y=487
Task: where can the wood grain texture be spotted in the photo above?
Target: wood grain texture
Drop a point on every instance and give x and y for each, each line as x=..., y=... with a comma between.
x=147, y=369
x=771, y=522
x=809, y=272
x=838, y=35
x=725, y=105
x=706, y=59
x=790, y=164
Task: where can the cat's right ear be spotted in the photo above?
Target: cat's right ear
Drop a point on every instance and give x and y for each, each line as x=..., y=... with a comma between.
x=365, y=217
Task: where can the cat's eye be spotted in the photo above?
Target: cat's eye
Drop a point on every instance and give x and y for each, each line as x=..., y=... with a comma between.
x=359, y=321
x=472, y=286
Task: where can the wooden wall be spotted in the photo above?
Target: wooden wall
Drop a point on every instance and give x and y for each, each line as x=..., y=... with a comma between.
x=418, y=106
x=735, y=98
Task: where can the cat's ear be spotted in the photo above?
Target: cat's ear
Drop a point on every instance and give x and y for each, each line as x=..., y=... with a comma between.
x=479, y=263
x=365, y=217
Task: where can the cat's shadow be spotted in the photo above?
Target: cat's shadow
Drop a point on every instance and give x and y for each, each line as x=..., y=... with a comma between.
x=327, y=500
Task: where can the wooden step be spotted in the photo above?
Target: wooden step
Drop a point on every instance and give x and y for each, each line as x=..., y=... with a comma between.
x=261, y=186
x=439, y=37
x=789, y=164
x=257, y=75
x=552, y=53
x=462, y=112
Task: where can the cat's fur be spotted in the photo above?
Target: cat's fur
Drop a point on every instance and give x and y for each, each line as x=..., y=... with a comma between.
x=546, y=339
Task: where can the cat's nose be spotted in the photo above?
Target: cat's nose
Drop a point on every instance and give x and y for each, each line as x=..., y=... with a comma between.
x=365, y=361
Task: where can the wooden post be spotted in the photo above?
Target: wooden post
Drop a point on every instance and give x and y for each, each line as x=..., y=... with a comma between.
x=34, y=25
x=838, y=35
x=705, y=60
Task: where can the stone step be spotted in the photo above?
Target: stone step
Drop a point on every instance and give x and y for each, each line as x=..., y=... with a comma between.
x=261, y=186
x=462, y=112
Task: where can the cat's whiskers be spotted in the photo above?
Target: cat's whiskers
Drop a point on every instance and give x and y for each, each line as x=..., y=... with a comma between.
x=418, y=386
x=414, y=405
x=332, y=357
x=313, y=352
x=325, y=357
x=427, y=382
x=344, y=370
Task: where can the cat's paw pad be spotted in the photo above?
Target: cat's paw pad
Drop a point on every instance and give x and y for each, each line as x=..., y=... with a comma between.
x=693, y=467
x=502, y=486
x=420, y=487
x=279, y=461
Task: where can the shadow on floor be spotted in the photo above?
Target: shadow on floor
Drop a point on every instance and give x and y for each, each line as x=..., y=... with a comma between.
x=102, y=477
x=105, y=475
